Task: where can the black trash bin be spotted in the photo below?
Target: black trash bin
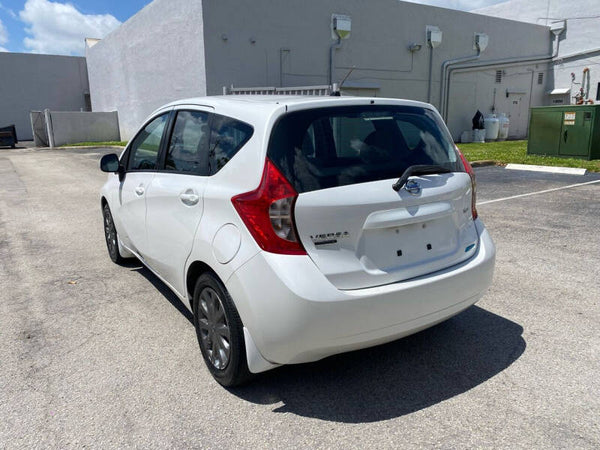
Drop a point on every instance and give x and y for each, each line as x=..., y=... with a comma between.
x=8, y=136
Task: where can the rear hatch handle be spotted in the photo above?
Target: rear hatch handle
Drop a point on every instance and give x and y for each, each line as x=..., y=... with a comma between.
x=419, y=169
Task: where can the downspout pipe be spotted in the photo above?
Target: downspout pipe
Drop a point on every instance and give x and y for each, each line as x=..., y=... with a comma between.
x=447, y=71
x=445, y=66
x=489, y=64
x=574, y=55
x=430, y=74
x=337, y=44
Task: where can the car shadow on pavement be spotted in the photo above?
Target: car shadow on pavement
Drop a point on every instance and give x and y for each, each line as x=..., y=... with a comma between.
x=394, y=379
x=167, y=293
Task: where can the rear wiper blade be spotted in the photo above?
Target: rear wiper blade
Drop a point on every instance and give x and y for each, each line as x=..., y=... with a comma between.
x=419, y=169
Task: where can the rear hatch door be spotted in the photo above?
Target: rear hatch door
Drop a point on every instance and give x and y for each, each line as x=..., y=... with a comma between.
x=365, y=235
x=359, y=231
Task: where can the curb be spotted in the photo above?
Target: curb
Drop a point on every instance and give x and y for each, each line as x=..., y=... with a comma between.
x=79, y=147
x=485, y=162
x=547, y=169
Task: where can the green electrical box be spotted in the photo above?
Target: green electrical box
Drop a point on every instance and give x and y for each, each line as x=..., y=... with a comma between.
x=571, y=131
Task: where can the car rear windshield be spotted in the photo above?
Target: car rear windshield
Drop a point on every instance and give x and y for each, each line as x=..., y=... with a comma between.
x=329, y=147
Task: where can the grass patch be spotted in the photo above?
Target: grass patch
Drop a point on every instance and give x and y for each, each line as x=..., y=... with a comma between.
x=516, y=152
x=97, y=144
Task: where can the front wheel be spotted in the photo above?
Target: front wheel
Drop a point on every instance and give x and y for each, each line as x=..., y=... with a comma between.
x=110, y=234
x=219, y=331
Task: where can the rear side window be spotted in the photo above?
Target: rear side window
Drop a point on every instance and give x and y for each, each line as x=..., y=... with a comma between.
x=330, y=147
x=227, y=137
x=188, y=149
x=143, y=152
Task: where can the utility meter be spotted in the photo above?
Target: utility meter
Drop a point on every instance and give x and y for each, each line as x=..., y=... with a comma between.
x=433, y=35
x=480, y=42
x=341, y=26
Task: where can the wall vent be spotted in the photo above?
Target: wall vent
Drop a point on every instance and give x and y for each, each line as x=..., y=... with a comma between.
x=541, y=78
x=498, y=76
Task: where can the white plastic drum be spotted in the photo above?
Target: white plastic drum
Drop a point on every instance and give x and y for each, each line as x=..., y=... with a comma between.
x=492, y=127
x=504, y=124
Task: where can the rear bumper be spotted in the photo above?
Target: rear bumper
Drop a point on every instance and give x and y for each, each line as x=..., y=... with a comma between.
x=295, y=315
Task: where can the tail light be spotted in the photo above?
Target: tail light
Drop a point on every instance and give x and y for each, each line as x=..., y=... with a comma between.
x=268, y=212
x=471, y=173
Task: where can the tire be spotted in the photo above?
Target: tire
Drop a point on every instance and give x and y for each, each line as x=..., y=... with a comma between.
x=220, y=332
x=110, y=235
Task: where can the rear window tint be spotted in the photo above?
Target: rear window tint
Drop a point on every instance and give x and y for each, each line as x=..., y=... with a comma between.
x=227, y=137
x=330, y=147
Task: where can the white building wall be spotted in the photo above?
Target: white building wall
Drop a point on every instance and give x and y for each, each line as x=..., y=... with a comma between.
x=273, y=42
x=154, y=58
x=516, y=92
x=582, y=34
x=175, y=48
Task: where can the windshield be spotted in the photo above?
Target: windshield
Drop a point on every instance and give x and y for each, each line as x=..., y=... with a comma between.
x=329, y=147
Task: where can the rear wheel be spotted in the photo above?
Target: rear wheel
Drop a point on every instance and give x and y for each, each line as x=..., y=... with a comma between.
x=219, y=331
x=110, y=234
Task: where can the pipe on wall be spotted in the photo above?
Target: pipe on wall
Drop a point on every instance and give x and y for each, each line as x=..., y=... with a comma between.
x=282, y=51
x=447, y=71
x=337, y=44
x=576, y=54
x=430, y=74
x=488, y=65
x=445, y=79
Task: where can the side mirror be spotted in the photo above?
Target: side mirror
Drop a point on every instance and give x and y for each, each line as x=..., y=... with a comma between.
x=110, y=163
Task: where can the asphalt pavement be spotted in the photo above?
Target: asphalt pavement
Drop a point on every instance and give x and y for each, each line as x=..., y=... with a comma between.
x=98, y=355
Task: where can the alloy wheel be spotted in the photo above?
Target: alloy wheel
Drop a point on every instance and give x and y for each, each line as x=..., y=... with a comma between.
x=110, y=233
x=214, y=330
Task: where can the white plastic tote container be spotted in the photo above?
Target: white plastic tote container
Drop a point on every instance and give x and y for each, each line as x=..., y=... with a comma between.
x=492, y=127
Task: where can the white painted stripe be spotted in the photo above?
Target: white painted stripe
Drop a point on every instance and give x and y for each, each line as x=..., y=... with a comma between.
x=548, y=169
x=537, y=192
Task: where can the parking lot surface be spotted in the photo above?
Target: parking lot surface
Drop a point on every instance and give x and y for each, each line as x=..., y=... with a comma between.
x=98, y=355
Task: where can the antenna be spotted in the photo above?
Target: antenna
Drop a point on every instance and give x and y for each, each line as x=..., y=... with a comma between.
x=335, y=88
x=347, y=75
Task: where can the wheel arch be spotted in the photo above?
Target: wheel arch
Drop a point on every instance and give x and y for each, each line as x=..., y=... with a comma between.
x=194, y=271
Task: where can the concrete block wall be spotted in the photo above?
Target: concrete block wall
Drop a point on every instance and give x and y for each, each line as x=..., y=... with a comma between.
x=36, y=82
x=67, y=127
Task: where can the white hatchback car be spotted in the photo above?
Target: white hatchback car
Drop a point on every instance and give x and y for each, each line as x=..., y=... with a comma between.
x=299, y=227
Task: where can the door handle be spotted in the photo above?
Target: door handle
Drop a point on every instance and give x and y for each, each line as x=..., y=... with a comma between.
x=140, y=190
x=565, y=135
x=189, y=198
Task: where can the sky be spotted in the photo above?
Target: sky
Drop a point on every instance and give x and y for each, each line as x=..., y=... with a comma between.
x=59, y=28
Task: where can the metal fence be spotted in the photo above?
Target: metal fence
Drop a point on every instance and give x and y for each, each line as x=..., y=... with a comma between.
x=294, y=90
x=39, y=129
x=56, y=128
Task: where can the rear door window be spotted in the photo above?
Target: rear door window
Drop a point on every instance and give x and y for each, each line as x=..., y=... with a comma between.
x=227, y=137
x=188, y=148
x=329, y=147
x=143, y=152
